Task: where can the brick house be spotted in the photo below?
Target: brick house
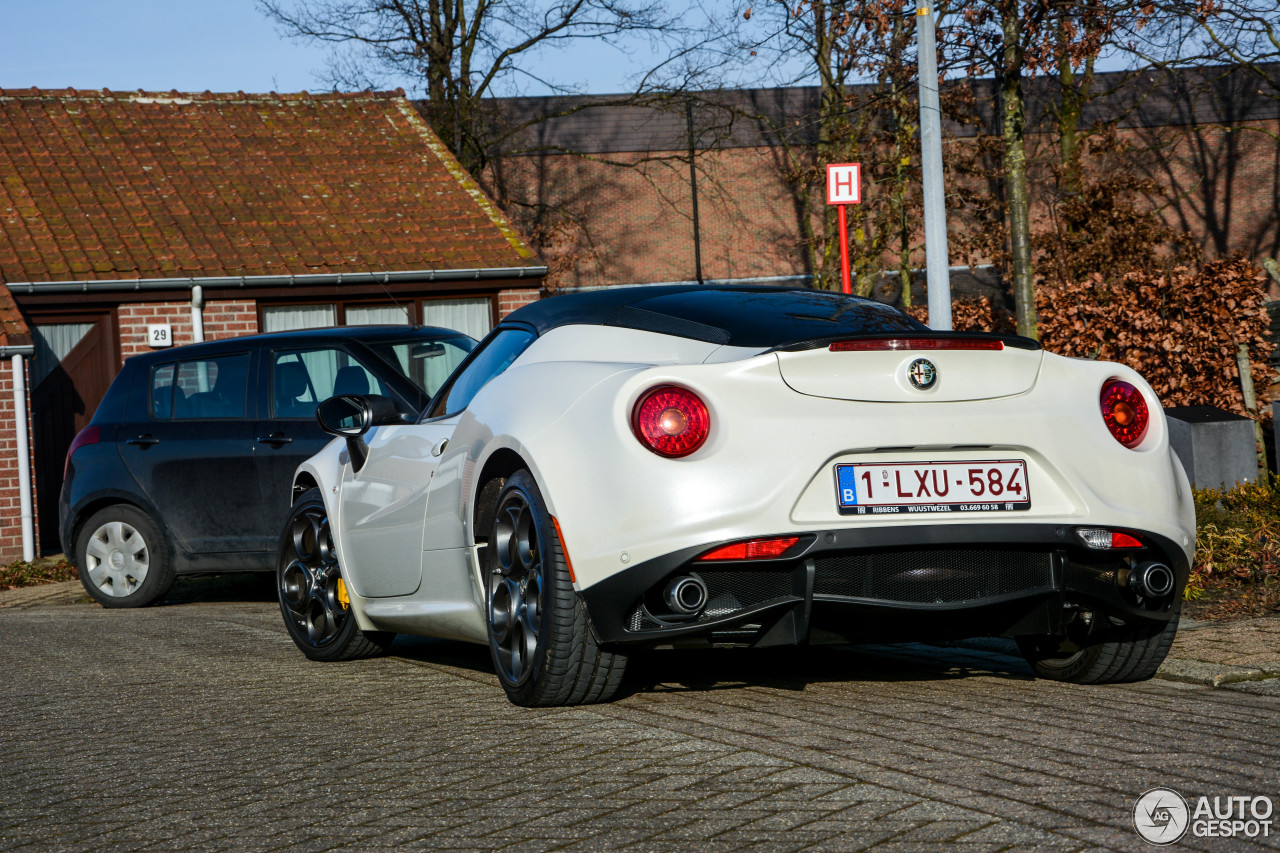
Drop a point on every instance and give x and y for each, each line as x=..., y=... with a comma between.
x=613, y=199
x=131, y=220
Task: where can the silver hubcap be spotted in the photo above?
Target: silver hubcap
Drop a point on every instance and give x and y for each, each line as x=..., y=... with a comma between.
x=515, y=590
x=309, y=580
x=117, y=558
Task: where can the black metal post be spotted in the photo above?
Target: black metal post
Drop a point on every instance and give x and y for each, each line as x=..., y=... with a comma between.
x=693, y=186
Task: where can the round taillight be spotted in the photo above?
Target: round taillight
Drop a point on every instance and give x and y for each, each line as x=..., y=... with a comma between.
x=1125, y=412
x=671, y=421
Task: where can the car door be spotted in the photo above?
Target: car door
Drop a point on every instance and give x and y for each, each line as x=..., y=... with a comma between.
x=403, y=500
x=187, y=440
x=383, y=506
x=293, y=380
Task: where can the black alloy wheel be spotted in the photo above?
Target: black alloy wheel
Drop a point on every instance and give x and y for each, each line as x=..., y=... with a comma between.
x=312, y=592
x=540, y=636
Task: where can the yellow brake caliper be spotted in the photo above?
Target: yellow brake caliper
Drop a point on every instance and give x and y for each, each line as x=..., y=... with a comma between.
x=343, y=599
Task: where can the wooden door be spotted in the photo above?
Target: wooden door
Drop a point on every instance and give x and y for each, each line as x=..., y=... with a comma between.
x=63, y=402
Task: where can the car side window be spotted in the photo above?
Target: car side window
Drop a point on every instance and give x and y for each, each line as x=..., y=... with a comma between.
x=200, y=388
x=489, y=360
x=300, y=379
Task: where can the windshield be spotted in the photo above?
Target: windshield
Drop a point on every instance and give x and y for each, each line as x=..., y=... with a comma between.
x=427, y=361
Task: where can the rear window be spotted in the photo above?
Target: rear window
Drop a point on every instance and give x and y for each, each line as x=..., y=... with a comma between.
x=762, y=318
x=200, y=388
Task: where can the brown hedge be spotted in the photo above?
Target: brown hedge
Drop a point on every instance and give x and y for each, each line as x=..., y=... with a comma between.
x=1179, y=328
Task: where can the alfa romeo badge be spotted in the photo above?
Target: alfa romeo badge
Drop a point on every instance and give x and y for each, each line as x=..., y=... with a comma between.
x=922, y=373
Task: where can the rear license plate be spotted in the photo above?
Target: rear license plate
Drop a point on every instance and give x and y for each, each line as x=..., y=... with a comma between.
x=925, y=487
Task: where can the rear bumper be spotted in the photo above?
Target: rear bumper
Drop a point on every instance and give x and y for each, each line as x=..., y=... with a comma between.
x=921, y=582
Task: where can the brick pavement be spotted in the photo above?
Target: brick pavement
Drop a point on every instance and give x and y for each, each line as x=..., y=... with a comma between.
x=198, y=725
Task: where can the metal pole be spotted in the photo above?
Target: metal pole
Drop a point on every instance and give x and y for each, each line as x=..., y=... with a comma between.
x=693, y=187
x=845, y=284
x=935, y=203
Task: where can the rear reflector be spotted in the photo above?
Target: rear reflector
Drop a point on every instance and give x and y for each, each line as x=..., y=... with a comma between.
x=752, y=549
x=1101, y=539
x=564, y=549
x=883, y=344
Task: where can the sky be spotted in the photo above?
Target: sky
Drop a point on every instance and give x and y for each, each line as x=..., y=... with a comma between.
x=188, y=45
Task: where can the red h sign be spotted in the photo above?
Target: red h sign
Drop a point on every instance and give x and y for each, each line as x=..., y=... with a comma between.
x=844, y=187
x=844, y=183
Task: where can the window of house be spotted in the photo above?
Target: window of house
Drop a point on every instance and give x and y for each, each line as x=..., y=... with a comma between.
x=472, y=317
x=53, y=341
x=286, y=318
x=200, y=388
x=378, y=315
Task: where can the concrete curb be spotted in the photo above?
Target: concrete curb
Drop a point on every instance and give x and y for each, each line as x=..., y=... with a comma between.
x=1215, y=674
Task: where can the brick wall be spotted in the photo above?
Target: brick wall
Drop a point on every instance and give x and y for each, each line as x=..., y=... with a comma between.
x=622, y=224
x=222, y=319
x=10, y=512
x=510, y=300
x=601, y=223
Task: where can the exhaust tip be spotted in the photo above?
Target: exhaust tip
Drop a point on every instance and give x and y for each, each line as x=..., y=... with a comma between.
x=686, y=595
x=1152, y=580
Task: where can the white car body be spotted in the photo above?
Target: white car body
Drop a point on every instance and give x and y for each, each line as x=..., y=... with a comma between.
x=405, y=524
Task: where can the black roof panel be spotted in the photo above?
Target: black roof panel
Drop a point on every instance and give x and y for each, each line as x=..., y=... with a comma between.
x=742, y=316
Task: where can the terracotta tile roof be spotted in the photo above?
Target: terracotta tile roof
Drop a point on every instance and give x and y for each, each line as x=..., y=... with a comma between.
x=106, y=185
x=13, y=329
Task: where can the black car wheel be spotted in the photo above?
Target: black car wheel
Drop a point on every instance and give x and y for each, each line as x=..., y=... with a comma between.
x=313, y=597
x=122, y=558
x=539, y=634
x=1094, y=651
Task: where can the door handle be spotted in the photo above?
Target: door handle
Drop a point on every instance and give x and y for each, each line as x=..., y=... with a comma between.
x=144, y=440
x=439, y=448
x=276, y=439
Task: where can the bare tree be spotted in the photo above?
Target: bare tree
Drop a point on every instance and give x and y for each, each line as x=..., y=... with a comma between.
x=458, y=53
x=1013, y=40
x=859, y=53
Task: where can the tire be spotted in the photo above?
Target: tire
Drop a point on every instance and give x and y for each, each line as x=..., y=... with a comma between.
x=122, y=558
x=1096, y=652
x=311, y=590
x=540, y=636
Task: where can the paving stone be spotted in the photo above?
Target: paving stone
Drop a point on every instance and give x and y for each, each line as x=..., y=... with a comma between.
x=199, y=725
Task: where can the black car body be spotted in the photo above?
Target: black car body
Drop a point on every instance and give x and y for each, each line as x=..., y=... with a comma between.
x=193, y=449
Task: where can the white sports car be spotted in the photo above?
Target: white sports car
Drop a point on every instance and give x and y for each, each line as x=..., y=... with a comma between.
x=674, y=465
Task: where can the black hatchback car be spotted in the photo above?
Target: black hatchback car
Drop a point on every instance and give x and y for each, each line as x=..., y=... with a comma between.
x=187, y=463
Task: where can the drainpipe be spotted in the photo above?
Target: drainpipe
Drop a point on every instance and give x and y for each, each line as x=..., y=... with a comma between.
x=24, y=455
x=197, y=314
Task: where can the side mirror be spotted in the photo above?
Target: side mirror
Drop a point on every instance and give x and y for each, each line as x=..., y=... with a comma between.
x=350, y=416
x=346, y=415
